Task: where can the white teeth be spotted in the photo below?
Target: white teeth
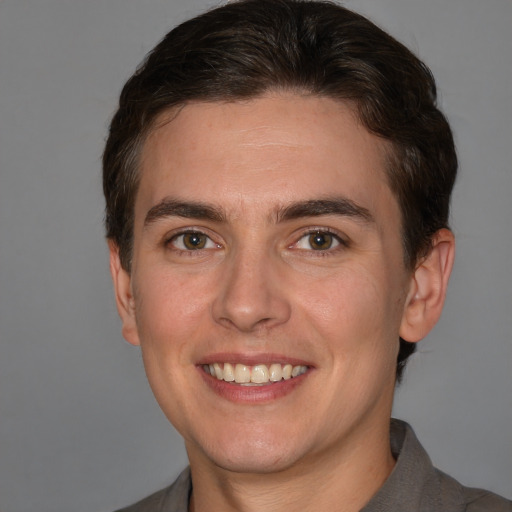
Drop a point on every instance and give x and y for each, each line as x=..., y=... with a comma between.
x=228, y=373
x=218, y=371
x=287, y=371
x=298, y=370
x=276, y=372
x=259, y=374
x=242, y=373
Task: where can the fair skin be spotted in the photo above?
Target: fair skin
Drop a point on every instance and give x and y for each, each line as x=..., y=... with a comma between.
x=265, y=233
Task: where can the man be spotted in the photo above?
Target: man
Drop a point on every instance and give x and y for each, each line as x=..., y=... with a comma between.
x=277, y=180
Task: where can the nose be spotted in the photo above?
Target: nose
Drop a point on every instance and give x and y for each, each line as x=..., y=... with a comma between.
x=251, y=296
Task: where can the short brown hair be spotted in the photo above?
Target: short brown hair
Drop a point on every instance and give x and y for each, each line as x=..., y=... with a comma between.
x=249, y=47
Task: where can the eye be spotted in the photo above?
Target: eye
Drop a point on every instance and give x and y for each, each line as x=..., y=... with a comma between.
x=192, y=241
x=318, y=241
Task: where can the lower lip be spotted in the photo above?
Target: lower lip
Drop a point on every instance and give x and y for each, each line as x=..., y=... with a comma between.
x=252, y=394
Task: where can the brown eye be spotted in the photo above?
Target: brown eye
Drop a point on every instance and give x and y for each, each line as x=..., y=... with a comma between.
x=320, y=241
x=192, y=241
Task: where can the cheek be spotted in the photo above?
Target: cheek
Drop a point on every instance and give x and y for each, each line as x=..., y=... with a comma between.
x=171, y=310
x=355, y=310
x=171, y=315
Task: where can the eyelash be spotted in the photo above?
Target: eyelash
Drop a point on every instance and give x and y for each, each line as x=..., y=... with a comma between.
x=170, y=240
x=341, y=242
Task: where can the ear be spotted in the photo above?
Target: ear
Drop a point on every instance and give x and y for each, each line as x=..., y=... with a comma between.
x=427, y=293
x=124, y=295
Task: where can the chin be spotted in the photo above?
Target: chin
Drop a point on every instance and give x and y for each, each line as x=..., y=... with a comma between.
x=251, y=463
x=256, y=454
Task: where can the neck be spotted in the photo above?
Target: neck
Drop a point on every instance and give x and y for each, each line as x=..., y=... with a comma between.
x=344, y=479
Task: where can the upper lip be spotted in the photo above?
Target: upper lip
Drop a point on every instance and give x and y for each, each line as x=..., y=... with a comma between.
x=252, y=359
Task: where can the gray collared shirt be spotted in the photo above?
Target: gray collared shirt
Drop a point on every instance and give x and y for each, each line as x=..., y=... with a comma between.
x=414, y=485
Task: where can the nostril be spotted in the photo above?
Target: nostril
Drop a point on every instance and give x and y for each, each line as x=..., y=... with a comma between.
x=246, y=324
x=248, y=298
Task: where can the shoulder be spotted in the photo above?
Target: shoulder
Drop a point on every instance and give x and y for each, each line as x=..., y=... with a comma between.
x=171, y=499
x=455, y=496
x=150, y=503
x=416, y=485
x=479, y=500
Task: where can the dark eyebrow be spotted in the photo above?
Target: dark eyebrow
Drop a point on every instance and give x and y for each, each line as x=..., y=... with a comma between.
x=318, y=207
x=169, y=207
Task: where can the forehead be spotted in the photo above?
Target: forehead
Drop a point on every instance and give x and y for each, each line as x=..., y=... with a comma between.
x=272, y=149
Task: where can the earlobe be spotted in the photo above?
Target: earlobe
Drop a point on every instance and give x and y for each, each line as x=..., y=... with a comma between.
x=124, y=295
x=424, y=303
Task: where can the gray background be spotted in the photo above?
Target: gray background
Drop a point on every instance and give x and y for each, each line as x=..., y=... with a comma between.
x=79, y=428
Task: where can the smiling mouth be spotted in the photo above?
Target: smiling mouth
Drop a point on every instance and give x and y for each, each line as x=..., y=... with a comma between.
x=257, y=375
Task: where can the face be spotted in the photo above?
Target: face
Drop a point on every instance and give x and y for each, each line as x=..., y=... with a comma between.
x=266, y=240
